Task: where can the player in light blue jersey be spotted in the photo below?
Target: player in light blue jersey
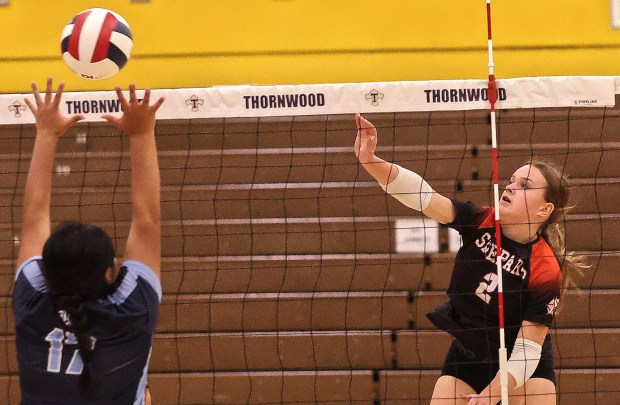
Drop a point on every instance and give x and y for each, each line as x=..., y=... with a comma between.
x=84, y=324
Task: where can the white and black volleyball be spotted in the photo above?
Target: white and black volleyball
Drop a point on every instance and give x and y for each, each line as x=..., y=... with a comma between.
x=96, y=43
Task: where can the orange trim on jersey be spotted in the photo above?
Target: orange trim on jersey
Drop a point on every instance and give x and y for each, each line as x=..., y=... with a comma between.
x=489, y=220
x=544, y=266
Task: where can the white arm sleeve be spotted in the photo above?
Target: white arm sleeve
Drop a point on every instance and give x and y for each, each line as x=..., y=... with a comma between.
x=410, y=189
x=523, y=360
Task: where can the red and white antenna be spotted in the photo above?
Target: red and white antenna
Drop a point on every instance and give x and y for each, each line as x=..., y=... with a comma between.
x=492, y=94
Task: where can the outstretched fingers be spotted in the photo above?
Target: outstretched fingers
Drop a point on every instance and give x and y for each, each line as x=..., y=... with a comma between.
x=138, y=114
x=132, y=93
x=74, y=119
x=36, y=94
x=158, y=104
x=46, y=109
x=31, y=106
x=48, y=91
x=40, y=101
x=147, y=97
x=121, y=98
x=58, y=96
x=147, y=101
x=111, y=119
x=123, y=103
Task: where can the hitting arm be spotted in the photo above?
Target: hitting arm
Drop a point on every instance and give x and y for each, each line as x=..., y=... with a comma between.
x=406, y=186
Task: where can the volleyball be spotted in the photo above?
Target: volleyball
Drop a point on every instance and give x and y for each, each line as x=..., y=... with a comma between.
x=96, y=43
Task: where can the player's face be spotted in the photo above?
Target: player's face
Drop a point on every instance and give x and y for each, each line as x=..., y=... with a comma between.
x=523, y=200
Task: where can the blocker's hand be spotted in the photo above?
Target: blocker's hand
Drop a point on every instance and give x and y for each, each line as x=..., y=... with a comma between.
x=46, y=111
x=138, y=116
x=366, y=139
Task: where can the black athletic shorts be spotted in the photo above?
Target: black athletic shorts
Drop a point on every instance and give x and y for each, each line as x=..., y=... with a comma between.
x=478, y=373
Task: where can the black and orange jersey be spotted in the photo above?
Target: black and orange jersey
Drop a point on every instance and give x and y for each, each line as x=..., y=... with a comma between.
x=531, y=278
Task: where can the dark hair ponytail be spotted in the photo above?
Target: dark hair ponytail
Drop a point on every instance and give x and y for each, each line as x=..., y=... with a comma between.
x=79, y=321
x=76, y=257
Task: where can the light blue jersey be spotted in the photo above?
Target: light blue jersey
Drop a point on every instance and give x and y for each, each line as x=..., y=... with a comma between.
x=123, y=325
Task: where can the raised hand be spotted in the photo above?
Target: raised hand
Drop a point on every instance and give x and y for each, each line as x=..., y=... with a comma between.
x=51, y=124
x=366, y=139
x=138, y=120
x=46, y=110
x=138, y=116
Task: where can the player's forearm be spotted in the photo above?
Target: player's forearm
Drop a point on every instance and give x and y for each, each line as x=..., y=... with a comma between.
x=38, y=189
x=384, y=172
x=145, y=178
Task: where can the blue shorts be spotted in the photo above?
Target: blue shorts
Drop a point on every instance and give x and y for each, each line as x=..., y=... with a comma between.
x=478, y=373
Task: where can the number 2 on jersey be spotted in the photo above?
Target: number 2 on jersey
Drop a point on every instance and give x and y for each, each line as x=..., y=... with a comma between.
x=486, y=287
x=57, y=339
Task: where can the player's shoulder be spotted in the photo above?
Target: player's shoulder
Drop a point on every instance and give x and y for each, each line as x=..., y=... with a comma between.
x=544, y=265
x=135, y=275
x=30, y=273
x=486, y=216
x=30, y=291
x=473, y=215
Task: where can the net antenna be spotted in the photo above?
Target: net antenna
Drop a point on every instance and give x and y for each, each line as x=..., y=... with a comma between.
x=492, y=93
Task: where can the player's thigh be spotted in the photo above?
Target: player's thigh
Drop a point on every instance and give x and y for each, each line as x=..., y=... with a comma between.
x=536, y=391
x=448, y=391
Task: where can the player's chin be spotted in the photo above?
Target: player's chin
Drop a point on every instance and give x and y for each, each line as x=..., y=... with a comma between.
x=504, y=207
x=511, y=214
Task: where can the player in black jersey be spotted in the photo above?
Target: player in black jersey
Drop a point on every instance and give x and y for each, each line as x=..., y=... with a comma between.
x=532, y=279
x=83, y=324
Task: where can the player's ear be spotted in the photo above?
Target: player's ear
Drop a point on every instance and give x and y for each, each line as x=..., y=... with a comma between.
x=111, y=273
x=546, y=209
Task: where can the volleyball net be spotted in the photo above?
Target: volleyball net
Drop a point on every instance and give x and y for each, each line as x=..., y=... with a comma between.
x=289, y=276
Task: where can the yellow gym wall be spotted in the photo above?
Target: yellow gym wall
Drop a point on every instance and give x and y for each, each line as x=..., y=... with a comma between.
x=201, y=43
